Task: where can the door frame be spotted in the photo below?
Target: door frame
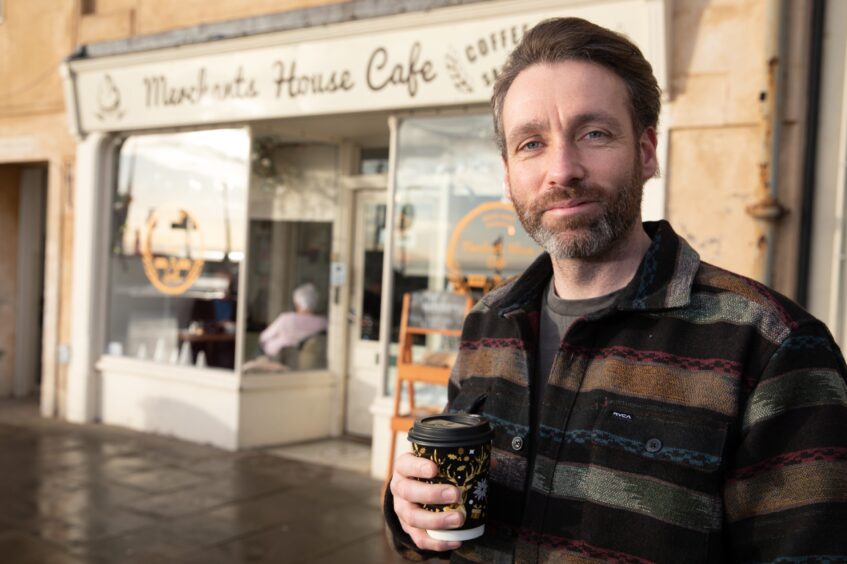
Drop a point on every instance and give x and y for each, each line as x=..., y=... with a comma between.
x=352, y=186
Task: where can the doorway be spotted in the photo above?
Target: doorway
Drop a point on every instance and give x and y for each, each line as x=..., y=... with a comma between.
x=364, y=362
x=23, y=191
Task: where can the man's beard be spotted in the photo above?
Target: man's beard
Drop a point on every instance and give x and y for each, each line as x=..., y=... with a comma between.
x=586, y=236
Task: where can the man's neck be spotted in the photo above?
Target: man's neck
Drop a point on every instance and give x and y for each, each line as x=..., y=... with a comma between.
x=579, y=279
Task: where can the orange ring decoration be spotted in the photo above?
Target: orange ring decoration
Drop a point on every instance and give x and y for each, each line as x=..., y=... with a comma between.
x=171, y=265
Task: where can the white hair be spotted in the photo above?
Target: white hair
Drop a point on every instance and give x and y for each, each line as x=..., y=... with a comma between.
x=306, y=297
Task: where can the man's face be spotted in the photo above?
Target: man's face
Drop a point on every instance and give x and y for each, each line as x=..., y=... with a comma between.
x=574, y=169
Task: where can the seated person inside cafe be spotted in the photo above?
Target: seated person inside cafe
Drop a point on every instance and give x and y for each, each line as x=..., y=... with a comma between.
x=297, y=339
x=646, y=406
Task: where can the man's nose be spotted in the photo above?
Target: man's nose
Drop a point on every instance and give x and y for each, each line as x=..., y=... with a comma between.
x=565, y=167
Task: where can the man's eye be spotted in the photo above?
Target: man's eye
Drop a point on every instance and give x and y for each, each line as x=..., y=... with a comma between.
x=531, y=146
x=594, y=135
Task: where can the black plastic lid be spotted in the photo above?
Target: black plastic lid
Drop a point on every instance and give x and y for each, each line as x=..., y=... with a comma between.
x=451, y=430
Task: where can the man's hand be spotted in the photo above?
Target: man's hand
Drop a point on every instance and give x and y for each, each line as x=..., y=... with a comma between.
x=409, y=493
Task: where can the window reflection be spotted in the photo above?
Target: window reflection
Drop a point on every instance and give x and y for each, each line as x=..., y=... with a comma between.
x=373, y=160
x=452, y=232
x=372, y=271
x=177, y=243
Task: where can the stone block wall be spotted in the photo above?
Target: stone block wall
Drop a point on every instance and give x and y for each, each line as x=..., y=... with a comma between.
x=119, y=19
x=719, y=69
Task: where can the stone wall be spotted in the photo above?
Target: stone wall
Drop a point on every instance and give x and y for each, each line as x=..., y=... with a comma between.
x=119, y=19
x=718, y=131
x=34, y=38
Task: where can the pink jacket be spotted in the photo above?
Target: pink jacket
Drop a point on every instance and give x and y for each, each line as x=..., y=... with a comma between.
x=289, y=330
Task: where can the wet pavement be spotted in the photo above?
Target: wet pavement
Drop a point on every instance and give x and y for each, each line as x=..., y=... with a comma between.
x=80, y=494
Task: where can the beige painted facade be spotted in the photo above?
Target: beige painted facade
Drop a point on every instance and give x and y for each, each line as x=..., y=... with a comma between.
x=718, y=67
x=718, y=131
x=119, y=19
x=35, y=37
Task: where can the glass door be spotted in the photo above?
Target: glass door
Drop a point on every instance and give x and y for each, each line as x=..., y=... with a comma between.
x=364, y=362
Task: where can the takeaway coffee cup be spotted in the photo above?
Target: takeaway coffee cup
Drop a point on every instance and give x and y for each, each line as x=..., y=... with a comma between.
x=461, y=446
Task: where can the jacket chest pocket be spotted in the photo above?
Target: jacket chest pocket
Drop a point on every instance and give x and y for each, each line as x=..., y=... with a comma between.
x=663, y=471
x=671, y=465
x=660, y=440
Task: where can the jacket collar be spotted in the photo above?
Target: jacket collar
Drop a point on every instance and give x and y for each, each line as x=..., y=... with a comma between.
x=663, y=279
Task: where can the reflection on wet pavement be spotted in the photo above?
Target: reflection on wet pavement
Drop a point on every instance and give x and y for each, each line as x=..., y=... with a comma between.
x=80, y=494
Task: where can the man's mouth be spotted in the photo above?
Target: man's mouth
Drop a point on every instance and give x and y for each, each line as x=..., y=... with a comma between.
x=569, y=207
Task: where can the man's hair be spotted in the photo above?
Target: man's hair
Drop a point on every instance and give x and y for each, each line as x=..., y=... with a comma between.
x=306, y=297
x=574, y=39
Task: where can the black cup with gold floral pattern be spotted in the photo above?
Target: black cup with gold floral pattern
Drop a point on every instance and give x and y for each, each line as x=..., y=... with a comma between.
x=461, y=446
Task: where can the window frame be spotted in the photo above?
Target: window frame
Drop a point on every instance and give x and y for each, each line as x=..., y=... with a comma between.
x=100, y=337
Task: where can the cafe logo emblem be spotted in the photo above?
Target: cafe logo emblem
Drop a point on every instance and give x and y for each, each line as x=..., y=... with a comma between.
x=108, y=100
x=488, y=245
x=480, y=60
x=457, y=72
x=172, y=250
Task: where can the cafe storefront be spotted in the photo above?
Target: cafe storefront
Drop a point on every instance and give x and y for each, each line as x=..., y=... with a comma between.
x=214, y=179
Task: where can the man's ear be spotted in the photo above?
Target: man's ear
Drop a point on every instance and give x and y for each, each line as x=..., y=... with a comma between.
x=507, y=185
x=647, y=147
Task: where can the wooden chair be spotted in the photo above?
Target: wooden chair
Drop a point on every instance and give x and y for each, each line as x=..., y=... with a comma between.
x=410, y=373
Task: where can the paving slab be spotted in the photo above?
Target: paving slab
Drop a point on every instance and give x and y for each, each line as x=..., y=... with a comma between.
x=92, y=494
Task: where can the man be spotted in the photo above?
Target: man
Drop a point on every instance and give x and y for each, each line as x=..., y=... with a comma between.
x=648, y=407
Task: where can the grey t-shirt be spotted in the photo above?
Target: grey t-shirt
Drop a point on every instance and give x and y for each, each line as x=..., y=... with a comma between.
x=557, y=315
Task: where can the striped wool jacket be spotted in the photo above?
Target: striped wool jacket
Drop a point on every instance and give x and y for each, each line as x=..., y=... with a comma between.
x=700, y=418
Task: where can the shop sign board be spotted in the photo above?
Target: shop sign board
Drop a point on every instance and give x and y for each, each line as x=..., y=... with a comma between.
x=430, y=309
x=423, y=66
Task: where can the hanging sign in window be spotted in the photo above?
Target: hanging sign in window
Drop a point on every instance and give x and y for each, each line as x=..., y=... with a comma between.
x=488, y=245
x=172, y=249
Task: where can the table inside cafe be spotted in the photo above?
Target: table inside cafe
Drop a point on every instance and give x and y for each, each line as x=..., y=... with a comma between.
x=218, y=346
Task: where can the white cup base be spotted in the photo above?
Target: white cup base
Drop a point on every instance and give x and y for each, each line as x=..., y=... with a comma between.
x=456, y=534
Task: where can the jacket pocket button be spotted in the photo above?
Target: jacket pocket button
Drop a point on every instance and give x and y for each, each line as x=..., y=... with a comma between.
x=517, y=443
x=653, y=445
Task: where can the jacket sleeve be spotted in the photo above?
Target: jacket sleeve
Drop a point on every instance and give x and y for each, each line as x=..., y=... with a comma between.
x=785, y=496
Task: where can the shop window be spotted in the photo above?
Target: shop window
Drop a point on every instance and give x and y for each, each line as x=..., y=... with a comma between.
x=293, y=199
x=178, y=224
x=373, y=160
x=287, y=297
x=453, y=231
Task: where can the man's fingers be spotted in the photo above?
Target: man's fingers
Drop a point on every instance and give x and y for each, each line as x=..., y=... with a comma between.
x=409, y=493
x=411, y=466
x=412, y=515
x=424, y=541
x=421, y=492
